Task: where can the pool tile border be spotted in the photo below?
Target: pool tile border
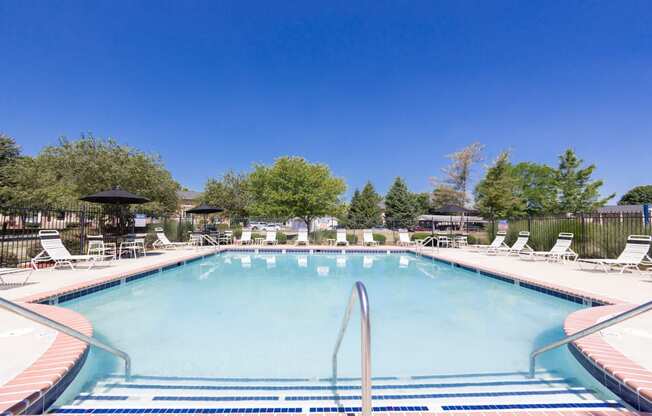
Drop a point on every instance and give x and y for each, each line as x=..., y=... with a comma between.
x=43, y=395
x=621, y=375
x=40, y=384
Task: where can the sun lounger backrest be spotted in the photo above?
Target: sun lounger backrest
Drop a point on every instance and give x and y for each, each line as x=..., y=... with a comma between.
x=367, y=236
x=499, y=239
x=162, y=237
x=246, y=235
x=52, y=244
x=521, y=241
x=302, y=235
x=271, y=236
x=636, y=249
x=403, y=236
x=563, y=243
x=341, y=236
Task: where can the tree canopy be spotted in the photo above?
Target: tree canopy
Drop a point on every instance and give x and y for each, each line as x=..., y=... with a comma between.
x=400, y=206
x=453, y=188
x=537, y=186
x=578, y=192
x=61, y=174
x=293, y=187
x=230, y=192
x=364, y=211
x=638, y=195
x=496, y=196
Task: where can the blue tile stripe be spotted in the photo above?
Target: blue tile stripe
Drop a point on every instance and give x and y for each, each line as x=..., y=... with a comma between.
x=375, y=409
x=100, y=397
x=444, y=395
x=215, y=398
x=330, y=387
x=79, y=410
x=534, y=406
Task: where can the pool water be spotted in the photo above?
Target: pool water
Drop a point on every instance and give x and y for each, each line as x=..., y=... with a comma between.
x=278, y=315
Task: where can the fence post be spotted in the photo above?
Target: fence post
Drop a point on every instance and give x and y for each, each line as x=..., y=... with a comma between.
x=582, y=248
x=82, y=229
x=529, y=223
x=2, y=244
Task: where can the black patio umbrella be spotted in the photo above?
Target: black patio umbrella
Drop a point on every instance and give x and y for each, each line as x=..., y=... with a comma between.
x=452, y=209
x=204, y=209
x=115, y=197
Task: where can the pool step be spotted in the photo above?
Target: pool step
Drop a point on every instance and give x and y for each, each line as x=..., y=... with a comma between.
x=436, y=393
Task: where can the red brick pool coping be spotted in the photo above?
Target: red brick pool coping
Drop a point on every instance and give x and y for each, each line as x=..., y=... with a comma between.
x=30, y=388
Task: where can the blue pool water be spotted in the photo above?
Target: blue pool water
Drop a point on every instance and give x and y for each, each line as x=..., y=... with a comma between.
x=246, y=315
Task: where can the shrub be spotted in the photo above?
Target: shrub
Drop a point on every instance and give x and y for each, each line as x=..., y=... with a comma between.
x=380, y=238
x=420, y=236
x=352, y=238
x=282, y=238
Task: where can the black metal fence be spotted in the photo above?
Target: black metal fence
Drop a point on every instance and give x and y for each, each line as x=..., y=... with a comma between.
x=595, y=235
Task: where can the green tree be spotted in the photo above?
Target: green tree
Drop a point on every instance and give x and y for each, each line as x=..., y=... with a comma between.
x=445, y=195
x=230, y=192
x=638, y=195
x=537, y=185
x=422, y=202
x=295, y=188
x=9, y=150
x=400, y=206
x=364, y=211
x=578, y=192
x=60, y=175
x=496, y=195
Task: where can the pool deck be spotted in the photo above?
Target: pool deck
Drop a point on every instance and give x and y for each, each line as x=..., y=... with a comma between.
x=622, y=351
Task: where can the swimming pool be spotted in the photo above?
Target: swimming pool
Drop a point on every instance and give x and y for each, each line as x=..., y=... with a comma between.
x=246, y=315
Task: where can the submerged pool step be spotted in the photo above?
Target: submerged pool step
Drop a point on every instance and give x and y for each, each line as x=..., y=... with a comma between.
x=432, y=393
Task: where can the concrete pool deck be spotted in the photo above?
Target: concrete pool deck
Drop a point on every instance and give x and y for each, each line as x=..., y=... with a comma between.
x=632, y=339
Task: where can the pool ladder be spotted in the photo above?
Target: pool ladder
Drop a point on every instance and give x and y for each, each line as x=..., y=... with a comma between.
x=43, y=320
x=359, y=293
x=588, y=331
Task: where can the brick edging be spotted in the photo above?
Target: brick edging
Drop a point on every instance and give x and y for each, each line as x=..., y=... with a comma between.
x=40, y=384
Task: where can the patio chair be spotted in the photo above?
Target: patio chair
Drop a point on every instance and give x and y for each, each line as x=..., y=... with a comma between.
x=270, y=238
x=340, y=238
x=460, y=241
x=226, y=237
x=561, y=251
x=404, y=239
x=6, y=271
x=55, y=251
x=245, y=238
x=302, y=237
x=162, y=241
x=632, y=256
x=97, y=246
x=499, y=241
x=519, y=246
x=133, y=244
x=443, y=241
x=368, y=238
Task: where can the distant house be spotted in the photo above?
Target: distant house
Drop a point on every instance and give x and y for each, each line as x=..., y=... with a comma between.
x=187, y=200
x=621, y=209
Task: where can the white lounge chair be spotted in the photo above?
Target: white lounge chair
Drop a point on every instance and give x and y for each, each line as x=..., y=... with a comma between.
x=635, y=252
x=55, y=251
x=519, y=246
x=270, y=238
x=162, y=241
x=6, y=271
x=340, y=238
x=499, y=241
x=368, y=238
x=404, y=239
x=245, y=238
x=561, y=251
x=302, y=237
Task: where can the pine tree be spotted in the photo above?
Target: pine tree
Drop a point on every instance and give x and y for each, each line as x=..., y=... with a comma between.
x=577, y=192
x=364, y=211
x=496, y=195
x=400, y=206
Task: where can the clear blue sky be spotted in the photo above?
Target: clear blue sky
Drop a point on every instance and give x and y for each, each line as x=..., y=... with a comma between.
x=375, y=89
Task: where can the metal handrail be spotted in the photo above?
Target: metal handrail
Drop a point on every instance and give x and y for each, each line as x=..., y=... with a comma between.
x=43, y=320
x=358, y=292
x=588, y=331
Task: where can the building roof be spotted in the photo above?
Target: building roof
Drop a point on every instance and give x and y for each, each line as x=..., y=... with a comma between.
x=190, y=195
x=621, y=209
